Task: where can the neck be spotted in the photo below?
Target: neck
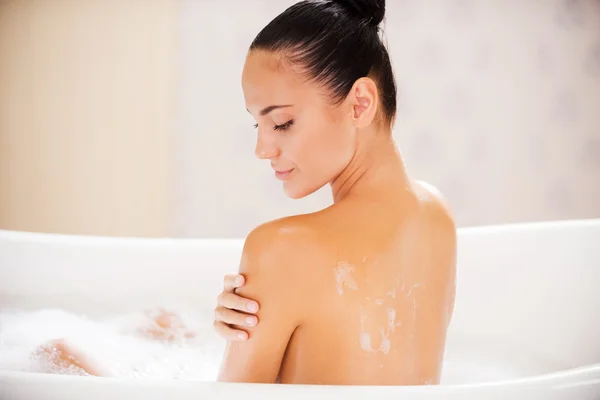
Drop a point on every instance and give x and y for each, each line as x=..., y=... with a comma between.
x=376, y=166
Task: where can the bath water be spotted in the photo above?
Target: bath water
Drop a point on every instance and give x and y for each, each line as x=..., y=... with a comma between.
x=116, y=342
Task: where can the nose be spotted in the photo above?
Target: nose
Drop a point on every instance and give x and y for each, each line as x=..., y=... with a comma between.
x=265, y=147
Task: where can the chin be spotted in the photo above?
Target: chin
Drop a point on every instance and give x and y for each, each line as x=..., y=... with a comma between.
x=296, y=192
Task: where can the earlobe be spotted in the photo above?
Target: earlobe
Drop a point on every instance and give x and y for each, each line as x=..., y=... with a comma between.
x=364, y=101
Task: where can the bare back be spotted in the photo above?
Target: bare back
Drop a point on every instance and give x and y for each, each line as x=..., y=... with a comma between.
x=375, y=277
x=368, y=294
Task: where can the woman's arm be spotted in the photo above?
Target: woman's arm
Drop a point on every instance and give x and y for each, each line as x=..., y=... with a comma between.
x=259, y=358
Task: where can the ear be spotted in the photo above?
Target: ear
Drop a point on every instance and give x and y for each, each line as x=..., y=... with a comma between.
x=364, y=99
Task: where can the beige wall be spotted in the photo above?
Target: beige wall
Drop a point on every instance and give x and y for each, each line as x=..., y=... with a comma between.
x=498, y=107
x=85, y=115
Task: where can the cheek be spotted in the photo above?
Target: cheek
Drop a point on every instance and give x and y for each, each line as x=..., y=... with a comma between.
x=338, y=149
x=324, y=149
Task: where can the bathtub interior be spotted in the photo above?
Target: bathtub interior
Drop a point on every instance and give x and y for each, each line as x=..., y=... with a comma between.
x=526, y=294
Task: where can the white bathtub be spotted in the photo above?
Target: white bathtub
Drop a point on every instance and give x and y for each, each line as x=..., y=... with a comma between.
x=526, y=322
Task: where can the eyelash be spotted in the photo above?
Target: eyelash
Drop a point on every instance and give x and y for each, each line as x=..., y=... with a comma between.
x=282, y=127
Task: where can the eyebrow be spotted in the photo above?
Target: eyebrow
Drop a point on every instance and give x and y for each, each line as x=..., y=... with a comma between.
x=267, y=110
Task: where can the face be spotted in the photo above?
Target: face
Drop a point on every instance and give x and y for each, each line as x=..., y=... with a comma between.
x=307, y=140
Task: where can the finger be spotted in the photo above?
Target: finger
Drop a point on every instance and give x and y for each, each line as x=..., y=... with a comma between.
x=231, y=317
x=230, y=282
x=229, y=333
x=236, y=302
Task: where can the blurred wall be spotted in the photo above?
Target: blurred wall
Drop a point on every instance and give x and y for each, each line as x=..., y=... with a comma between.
x=85, y=115
x=499, y=106
x=125, y=117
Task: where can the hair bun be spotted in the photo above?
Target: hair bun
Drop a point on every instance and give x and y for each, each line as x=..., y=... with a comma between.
x=371, y=10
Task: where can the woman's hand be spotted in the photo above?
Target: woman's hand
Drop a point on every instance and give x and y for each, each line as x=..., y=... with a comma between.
x=233, y=309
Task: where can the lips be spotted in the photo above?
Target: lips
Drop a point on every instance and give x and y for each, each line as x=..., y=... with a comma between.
x=283, y=174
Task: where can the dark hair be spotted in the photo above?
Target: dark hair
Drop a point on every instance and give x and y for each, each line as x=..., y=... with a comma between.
x=337, y=42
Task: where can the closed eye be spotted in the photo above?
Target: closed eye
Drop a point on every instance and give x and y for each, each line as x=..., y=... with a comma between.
x=281, y=127
x=285, y=126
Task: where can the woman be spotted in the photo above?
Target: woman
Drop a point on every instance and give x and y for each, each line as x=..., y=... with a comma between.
x=361, y=292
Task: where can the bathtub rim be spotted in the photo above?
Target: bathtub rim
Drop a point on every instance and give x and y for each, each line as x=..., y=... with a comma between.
x=67, y=238
x=588, y=375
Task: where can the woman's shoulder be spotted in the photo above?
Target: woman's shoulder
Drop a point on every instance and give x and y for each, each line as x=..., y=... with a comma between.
x=438, y=260
x=288, y=238
x=277, y=253
x=279, y=231
x=435, y=204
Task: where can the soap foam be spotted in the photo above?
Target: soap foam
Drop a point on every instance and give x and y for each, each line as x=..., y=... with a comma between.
x=343, y=277
x=116, y=342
